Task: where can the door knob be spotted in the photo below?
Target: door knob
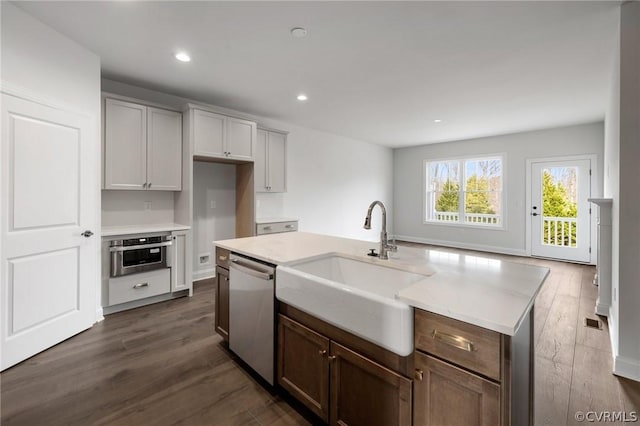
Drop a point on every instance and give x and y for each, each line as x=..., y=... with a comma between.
x=87, y=233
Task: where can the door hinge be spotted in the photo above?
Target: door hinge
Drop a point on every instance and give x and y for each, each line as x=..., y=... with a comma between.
x=589, y=249
x=589, y=210
x=589, y=172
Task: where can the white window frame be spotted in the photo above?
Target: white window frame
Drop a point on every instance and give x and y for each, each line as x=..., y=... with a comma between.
x=462, y=160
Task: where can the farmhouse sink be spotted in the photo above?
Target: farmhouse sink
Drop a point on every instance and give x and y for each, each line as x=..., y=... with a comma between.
x=355, y=295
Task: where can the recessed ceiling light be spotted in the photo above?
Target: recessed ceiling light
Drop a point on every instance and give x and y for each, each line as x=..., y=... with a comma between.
x=183, y=57
x=302, y=97
x=437, y=120
x=298, y=32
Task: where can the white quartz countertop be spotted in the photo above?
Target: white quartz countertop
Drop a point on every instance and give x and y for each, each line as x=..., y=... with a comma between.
x=482, y=291
x=110, y=231
x=261, y=220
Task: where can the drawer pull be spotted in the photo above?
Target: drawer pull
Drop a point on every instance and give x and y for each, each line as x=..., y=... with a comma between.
x=267, y=228
x=288, y=226
x=322, y=352
x=418, y=375
x=222, y=258
x=141, y=285
x=455, y=341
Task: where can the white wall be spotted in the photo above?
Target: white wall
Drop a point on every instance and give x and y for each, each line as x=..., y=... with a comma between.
x=41, y=64
x=517, y=148
x=331, y=182
x=626, y=223
x=612, y=188
x=213, y=183
x=331, y=179
x=136, y=207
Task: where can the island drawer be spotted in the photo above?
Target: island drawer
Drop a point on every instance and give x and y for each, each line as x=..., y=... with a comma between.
x=276, y=227
x=222, y=257
x=138, y=286
x=466, y=345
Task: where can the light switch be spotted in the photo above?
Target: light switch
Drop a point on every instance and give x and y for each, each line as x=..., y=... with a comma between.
x=213, y=204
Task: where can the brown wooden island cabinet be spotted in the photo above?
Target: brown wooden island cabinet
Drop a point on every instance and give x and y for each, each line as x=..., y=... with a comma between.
x=459, y=374
x=222, y=293
x=469, y=375
x=341, y=378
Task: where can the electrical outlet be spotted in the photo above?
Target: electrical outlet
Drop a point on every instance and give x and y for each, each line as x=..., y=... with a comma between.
x=213, y=204
x=147, y=205
x=258, y=203
x=204, y=259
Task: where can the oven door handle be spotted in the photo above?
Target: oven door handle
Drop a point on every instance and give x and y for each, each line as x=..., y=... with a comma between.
x=140, y=246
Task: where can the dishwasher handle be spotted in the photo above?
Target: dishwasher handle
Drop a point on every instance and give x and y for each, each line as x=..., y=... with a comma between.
x=236, y=264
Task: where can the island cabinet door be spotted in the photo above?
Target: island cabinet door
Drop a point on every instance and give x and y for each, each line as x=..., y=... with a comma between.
x=366, y=393
x=445, y=395
x=222, y=302
x=303, y=367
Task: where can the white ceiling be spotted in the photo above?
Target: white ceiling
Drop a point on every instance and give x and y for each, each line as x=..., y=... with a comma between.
x=376, y=71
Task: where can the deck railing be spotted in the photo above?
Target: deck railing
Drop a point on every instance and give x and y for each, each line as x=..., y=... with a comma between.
x=475, y=218
x=559, y=231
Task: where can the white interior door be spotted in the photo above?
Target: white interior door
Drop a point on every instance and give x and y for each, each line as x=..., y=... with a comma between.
x=49, y=188
x=560, y=212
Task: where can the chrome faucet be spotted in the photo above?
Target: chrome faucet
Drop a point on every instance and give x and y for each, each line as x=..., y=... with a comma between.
x=385, y=247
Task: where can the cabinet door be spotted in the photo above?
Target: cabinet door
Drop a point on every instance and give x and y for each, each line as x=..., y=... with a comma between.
x=179, y=265
x=450, y=396
x=222, y=303
x=260, y=167
x=240, y=138
x=125, y=145
x=164, y=150
x=208, y=133
x=303, y=367
x=366, y=393
x=277, y=162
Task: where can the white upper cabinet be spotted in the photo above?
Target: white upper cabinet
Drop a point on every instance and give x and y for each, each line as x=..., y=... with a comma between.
x=219, y=136
x=125, y=150
x=270, y=168
x=208, y=132
x=142, y=147
x=164, y=150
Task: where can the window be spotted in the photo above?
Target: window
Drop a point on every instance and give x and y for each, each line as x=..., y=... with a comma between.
x=465, y=191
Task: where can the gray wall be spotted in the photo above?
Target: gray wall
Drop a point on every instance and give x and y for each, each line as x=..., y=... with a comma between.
x=408, y=184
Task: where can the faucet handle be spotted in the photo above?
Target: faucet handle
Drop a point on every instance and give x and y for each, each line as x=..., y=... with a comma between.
x=372, y=252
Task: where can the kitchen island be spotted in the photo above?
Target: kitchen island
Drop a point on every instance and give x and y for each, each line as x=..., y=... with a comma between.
x=471, y=361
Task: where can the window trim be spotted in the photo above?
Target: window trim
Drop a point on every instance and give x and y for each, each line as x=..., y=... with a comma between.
x=503, y=199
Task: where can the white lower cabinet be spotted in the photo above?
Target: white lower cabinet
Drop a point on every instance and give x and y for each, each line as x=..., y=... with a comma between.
x=138, y=286
x=180, y=279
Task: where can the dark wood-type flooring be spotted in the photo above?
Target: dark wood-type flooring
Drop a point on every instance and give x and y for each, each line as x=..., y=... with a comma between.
x=164, y=365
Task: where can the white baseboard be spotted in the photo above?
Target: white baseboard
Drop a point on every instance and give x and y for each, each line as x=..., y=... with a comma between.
x=204, y=274
x=626, y=367
x=99, y=314
x=452, y=244
x=602, y=309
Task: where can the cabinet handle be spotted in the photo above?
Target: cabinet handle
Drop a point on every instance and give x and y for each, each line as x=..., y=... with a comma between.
x=149, y=185
x=331, y=358
x=141, y=285
x=222, y=258
x=288, y=226
x=322, y=352
x=267, y=228
x=455, y=341
x=418, y=375
x=144, y=185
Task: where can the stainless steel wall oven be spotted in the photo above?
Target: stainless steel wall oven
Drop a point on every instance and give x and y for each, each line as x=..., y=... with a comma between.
x=132, y=255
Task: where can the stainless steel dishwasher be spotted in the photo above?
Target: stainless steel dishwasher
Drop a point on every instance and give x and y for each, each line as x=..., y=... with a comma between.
x=251, y=314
